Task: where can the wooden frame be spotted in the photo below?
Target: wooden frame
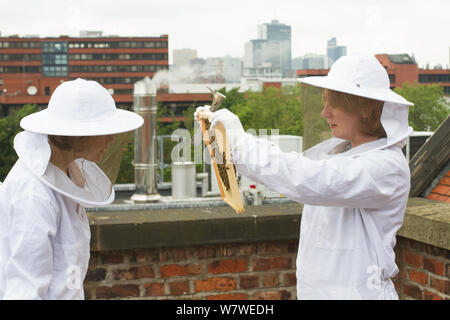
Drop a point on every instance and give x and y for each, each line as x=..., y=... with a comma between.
x=222, y=163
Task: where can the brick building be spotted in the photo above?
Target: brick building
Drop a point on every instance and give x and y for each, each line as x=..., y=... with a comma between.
x=31, y=68
x=401, y=68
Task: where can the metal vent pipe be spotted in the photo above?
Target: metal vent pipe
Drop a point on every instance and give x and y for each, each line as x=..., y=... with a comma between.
x=145, y=155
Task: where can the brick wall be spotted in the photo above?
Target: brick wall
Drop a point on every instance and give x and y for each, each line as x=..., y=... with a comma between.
x=264, y=270
x=442, y=191
x=424, y=271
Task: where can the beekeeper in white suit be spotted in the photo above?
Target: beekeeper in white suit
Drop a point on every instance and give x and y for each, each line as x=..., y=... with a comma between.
x=44, y=230
x=354, y=186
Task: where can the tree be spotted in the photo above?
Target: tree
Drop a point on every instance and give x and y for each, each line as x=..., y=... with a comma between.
x=316, y=128
x=430, y=106
x=126, y=170
x=233, y=97
x=273, y=108
x=9, y=128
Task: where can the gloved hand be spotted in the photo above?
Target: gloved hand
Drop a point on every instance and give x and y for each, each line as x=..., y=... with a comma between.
x=234, y=130
x=199, y=109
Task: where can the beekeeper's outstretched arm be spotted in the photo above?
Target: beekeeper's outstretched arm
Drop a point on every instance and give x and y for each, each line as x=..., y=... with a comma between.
x=367, y=182
x=32, y=225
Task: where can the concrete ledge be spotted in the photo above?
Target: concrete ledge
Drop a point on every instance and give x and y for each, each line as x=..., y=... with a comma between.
x=193, y=226
x=425, y=220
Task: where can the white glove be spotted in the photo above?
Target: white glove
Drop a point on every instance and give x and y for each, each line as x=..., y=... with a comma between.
x=234, y=130
x=199, y=109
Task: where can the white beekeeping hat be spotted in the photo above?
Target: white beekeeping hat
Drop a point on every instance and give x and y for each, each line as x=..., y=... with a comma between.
x=364, y=76
x=81, y=108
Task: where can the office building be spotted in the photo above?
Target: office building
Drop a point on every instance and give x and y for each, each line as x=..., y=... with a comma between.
x=31, y=68
x=334, y=51
x=403, y=68
x=272, y=46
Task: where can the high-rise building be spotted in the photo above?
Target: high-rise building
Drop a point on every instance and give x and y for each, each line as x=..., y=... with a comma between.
x=334, y=51
x=259, y=52
x=272, y=46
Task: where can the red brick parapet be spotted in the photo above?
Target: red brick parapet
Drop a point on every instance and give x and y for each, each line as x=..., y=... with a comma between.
x=212, y=253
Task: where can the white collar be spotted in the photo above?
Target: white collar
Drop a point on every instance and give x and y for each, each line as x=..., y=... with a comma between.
x=324, y=150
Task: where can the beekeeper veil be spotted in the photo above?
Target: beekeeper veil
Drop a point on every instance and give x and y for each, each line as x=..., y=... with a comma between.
x=78, y=108
x=362, y=76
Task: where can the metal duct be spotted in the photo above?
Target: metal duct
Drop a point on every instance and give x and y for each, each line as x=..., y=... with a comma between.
x=145, y=156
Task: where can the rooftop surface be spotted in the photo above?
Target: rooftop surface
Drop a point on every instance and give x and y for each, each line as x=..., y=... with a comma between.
x=401, y=58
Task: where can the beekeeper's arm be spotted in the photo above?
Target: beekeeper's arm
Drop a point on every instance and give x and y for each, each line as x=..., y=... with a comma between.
x=340, y=182
x=32, y=225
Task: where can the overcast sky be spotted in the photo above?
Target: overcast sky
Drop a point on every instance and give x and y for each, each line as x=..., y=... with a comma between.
x=217, y=28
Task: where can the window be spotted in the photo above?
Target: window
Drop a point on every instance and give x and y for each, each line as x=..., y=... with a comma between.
x=60, y=59
x=54, y=59
x=47, y=91
x=20, y=69
x=116, y=80
x=100, y=45
x=123, y=91
x=430, y=78
x=116, y=68
x=392, y=78
x=54, y=47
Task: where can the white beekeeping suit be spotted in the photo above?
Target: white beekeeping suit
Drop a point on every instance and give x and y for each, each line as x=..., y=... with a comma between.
x=354, y=198
x=44, y=230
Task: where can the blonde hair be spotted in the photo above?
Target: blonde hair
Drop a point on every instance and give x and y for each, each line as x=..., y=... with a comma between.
x=369, y=110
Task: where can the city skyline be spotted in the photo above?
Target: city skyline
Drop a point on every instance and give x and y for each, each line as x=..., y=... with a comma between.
x=215, y=30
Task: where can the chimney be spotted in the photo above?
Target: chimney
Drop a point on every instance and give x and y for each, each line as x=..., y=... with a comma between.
x=145, y=157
